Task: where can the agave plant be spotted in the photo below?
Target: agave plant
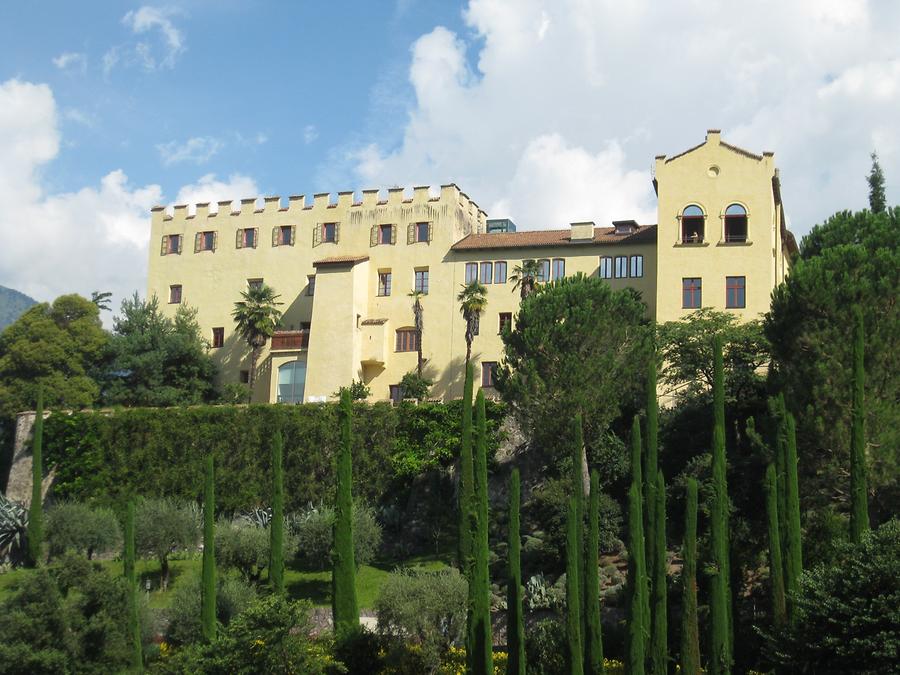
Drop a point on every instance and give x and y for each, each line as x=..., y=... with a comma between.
x=13, y=529
x=258, y=517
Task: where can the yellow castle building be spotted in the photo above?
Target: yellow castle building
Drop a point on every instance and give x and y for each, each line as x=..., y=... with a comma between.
x=345, y=268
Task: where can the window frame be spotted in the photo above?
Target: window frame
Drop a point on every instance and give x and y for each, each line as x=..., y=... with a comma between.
x=208, y=237
x=252, y=232
x=636, y=266
x=554, y=268
x=500, y=265
x=385, y=281
x=740, y=292
x=405, y=340
x=733, y=220
x=255, y=283
x=606, y=261
x=418, y=226
x=325, y=228
x=503, y=319
x=695, y=289
x=176, y=294
x=385, y=229
x=623, y=261
x=697, y=234
x=543, y=275
x=421, y=279
x=218, y=337
x=471, y=277
x=489, y=374
x=173, y=244
x=486, y=266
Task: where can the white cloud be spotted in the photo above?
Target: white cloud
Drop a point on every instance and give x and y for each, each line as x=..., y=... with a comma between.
x=310, y=133
x=196, y=150
x=149, y=19
x=210, y=190
x=554, y=110
x=71, y=60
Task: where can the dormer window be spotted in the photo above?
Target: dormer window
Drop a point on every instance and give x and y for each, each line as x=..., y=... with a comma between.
x=735, y=223
x=693, y=223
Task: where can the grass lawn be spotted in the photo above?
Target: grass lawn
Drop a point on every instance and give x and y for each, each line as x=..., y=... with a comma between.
x=314, y=586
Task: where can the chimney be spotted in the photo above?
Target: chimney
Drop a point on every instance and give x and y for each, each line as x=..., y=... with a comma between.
x=582, y=232
x=714, y=136
x=625, y=226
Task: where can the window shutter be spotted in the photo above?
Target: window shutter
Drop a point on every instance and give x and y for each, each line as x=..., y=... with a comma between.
x=215, y=240
x=317, y=234
x=275, y=236
x=293, y=234
x=373, y=236
x=430, y=231
x=180, y=243
x=197, y=243
x=411, y=233
x=239, y=239
x=337, y=232
x=393, y=234
x=255, y=237
x=165, y=245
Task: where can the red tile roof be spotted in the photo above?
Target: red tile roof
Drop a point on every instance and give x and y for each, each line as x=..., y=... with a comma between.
x=341, y=260
x=645, y=234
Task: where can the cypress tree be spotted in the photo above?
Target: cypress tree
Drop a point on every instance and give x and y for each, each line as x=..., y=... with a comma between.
x=276, y=528
x=651, y=459
x=515, y=622
x=779, y=412
x=792, y=499
x=134, y=626
x=720, y=596
x=776, y=569
x=466, y=479
x=875, y=179
x=593, y=640
x=479, y=644
x=578, y=493
x=859, y=507
x=659, y=638
x=638, y=597
x=573, y=590
x=690, y=629
x=208, y=593
x=36, y=508
x=345, y=611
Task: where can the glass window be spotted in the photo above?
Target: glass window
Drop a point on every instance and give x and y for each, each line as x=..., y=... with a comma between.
x=543, y=270
x=505, y=321
x=487, y=373
x=500, y=272
x=406, y=340
x=487, y=272
x=422, y=232
x=735, y=223
x=248, y=236
x=606, y=267
x=736, y=292
x=691, y=293
x=329, y=232
x=692, y=225
x=559, y=268
x=395, y=393
x=254, y=283
x=471, y=272
x=311, y=284
x=218, y=337
x=637, y=266
x=384, y=283
x=421, y=282
x=207, y=241
x=173, y=243
x=385, y=234
x=291, y=381
x=621, y=266
x=175, y=294
x=285, y=237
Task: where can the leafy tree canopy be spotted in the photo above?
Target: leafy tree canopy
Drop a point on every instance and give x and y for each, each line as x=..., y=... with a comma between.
x=60, y=346
x=577, y=346
x=157, y=361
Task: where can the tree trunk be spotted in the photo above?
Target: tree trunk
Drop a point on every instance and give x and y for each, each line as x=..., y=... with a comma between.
x=254, y=357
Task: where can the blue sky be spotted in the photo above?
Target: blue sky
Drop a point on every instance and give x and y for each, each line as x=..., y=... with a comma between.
x=546, y=111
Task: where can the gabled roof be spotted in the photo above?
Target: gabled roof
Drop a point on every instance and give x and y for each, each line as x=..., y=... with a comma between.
x=645, y=234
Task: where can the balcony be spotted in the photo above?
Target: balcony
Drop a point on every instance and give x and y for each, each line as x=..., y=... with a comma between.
x=289, y=340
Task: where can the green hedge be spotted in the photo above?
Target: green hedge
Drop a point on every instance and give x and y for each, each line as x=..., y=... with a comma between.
x=103, y=457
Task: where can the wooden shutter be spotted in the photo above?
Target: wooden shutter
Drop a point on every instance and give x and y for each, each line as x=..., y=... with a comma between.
x=165, y=245
x=293, y=234
x=430, y=231
x=255, y=237
x=180, y=243
x=393, y=234
x=337, y=232
x=215, y=240
x=317, y=234
x=197, y=242
x=411, y=233
x=373, y=236
x=275, y=241
x=239, y=239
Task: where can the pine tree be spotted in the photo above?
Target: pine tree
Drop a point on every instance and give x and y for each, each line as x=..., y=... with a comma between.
x=776, y=568
x=345, y=610
x=36, y=508
x=638, y=595
x=792, y=499
x=134, y=625
x=573, y=590
x=690, y=629
x=651, y=462
x=578, y=493
x=208, y=594
x=466, y=479
x=659, y=638
x=515, y=622
x=779, y=413
x=593, y=639
x=479, y=644
x=859, y=507
x=877, y=199
x=720, y=595
x=276, y=527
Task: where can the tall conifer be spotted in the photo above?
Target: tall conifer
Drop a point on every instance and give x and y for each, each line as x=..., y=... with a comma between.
x=720, y=596
x=276, y=527
x=345, y=610
x=466, y=480
x=208, y=587
x=690, y=629
x=859, y=505
x=637, y=585
x=578, y=493
x=515, y=622
x=792, y=500
x=479, y=644
x=36, y=508
x=134, y=626
x=593, y=639
x=651, y=462
x=776, y=566
x=573, y=590
x=659, y=638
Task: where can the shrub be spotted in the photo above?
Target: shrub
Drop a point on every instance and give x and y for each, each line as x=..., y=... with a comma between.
x=244, y=546
x=233, y=595
x=428, y=608
x=541, y=594
x=359, y=391
x=313, y=529
x=162, y=526
x=546, y=648
x=72, y=526
x=13, y=530
x=412, y=385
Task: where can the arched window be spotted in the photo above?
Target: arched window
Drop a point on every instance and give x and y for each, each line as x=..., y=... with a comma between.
x=735, y=223
x=291, y=381
x=693, y=223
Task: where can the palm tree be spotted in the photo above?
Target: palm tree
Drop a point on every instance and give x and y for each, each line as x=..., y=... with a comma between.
x=472, y=301
x=525, y=277
x=417, y=317
x=256, y=317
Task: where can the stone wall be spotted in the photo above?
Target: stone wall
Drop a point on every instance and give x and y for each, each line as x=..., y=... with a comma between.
x=18, y=487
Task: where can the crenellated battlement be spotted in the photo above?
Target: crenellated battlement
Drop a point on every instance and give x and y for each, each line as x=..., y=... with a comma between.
x=449, y=194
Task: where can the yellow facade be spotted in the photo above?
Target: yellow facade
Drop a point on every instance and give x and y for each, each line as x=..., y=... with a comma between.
x=330, y=260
